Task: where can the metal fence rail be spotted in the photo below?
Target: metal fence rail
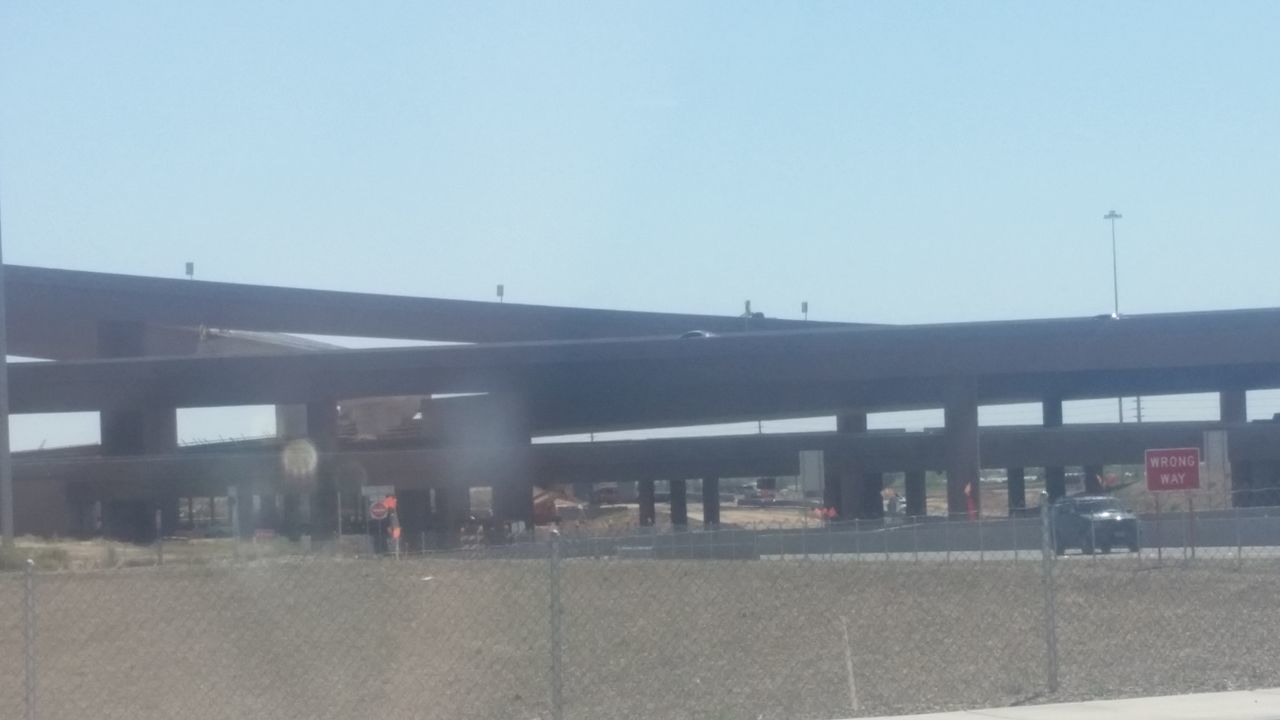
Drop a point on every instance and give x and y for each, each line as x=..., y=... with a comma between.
x=824, y=623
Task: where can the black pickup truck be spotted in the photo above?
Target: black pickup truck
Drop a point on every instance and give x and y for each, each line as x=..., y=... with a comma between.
x=1093, y=522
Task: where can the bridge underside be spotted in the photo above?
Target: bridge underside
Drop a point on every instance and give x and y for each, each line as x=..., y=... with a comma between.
x=538, y=371
x=82, y=492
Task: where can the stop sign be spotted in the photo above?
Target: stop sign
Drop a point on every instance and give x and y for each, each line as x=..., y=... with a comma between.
x=378, y=511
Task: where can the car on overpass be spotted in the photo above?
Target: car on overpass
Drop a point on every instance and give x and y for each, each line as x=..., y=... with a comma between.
x=1092, y=522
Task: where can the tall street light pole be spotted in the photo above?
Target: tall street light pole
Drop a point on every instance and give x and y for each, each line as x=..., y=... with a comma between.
x=1113, y=216
x=6, y=468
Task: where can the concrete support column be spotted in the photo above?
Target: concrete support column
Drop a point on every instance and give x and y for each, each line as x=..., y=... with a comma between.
x=844, y=481
x=322, y=430
x=513, y=500
x=244, y=511
x=1055, y=476
x=710, y=503
x=679, y=504
x=413, y=508
x=961, y=443
x=1092, y=478
x=851, y=492
x=494, y=432
x=269, y=512
x=851, y=423
x=915, y=491
x=648, y=511
x=452, y=508
x=148, y=430
x=138, y=430
x=143, y=430
x=1233, y=406
x=831, y=484
x=291, y=516
x=169, y=512
x=1017, y=480
x=871, y=498
x=291, y=421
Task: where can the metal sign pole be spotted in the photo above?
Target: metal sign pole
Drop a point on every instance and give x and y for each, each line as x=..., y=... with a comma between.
x=1191, y=524
x=6, y=467
x=1050, y=606
x=1159, y=533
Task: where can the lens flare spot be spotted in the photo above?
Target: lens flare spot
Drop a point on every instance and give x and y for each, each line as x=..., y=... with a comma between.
x=299, y=459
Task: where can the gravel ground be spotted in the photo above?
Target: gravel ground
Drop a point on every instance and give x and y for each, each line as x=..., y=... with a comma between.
x=428, y=638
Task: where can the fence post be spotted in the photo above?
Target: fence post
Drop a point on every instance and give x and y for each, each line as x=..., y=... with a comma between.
x=915, y=539
x=233, y=509
x=557, y=674
x=1191, y=524
x=857, y=538
x=1239, y=541
x=804, y=539
x=159, y=537
x=1050, y=608
x=29, y=641
x=884, y=538
x=1013, y=529
x=1093, y=539
x=982, y=548
x=946, y=535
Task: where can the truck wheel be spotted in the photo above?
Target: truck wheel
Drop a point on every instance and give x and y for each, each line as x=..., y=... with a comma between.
x=1133, y=547
x=1106, y=549
x=1086, y=547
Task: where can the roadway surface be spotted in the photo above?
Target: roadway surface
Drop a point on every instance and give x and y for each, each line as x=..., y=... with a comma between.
x=1240, y=705
x=1146, y=555
x=1248, y=536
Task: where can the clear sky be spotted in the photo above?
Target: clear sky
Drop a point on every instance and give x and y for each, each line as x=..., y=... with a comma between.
x=889, y=162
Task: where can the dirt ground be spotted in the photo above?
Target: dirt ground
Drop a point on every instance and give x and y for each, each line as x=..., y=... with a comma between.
x=425, y=638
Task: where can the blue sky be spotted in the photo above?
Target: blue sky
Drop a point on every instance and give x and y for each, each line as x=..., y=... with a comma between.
x=890, y=162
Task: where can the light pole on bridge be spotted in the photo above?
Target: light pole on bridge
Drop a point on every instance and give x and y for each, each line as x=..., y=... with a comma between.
x=1113, y=216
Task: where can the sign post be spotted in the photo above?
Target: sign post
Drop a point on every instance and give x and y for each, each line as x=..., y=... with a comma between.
x=1168, y=470
x=1159, y=534
x=1191, y=525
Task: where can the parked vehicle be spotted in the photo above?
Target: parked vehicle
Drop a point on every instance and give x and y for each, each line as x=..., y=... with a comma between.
x=606, y=496
x=1093, y=522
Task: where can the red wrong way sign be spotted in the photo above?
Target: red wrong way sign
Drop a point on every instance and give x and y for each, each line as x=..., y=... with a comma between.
x=1173, y=469
x=378, y=511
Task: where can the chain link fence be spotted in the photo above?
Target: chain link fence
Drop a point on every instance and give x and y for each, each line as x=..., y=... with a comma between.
x=847, y=620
